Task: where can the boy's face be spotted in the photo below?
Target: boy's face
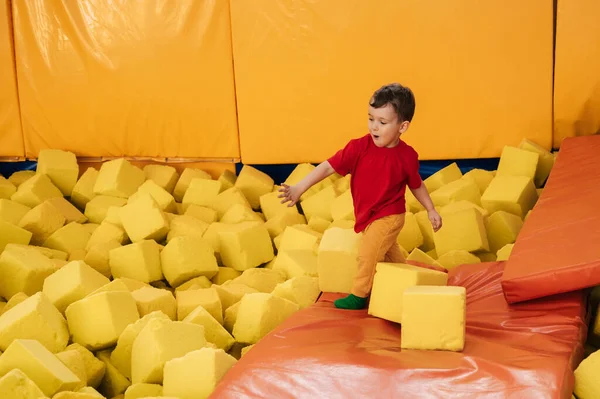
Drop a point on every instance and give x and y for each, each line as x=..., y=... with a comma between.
x=384, y=126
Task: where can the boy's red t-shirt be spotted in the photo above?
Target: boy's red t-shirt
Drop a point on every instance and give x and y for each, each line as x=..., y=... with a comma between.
x=379, y=177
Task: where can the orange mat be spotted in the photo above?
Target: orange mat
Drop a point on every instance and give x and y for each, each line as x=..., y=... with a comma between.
x=522, y=351
x=557, y=249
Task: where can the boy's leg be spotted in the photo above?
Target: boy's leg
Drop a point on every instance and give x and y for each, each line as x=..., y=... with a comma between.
x=394, y=254
x=377, y=239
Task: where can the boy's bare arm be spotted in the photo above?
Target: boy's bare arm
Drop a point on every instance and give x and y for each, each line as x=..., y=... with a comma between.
x=423, y=197
x=293, y=193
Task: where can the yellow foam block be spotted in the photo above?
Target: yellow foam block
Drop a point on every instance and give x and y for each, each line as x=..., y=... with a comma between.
x=143, y=220
x=412, y=203
x=98, y=256
x=182, y=380
x=72, y=282
x=47, y=252
x=389, y=283
x=513, y=194
x=208, y=298
x=318, y=224
x=14, y=301
x=68, y=210
x=16, y=385
x=457, y=190
x=342, y=223
x=184, y=258
x=83, y=191
x=34, y=318
x=253, y=184
x=226, y=199
x=74, y=361
x=114, y=382
x=277, y=224
x=78, y=254
x=201, y=192
x=302, y=290
x=203, y=213
x=300, y=172
x=96, y=209
x=21, y=176
x=299, y=237
x=455, y=258
x=90, y=227
x=433, y=318
x=517, y=162
x=230, y=317
x=213, y=330
x=480, y=177
x=433, y=253
x=61, y=167
x=142, y=390
x=245, y=245
x=118, y=178
x=195, y=283
x=587, y=384
x=35, y=191
x=545, y=163
x=69, y=238
x=162, y=197
x=337, y=259
x=424, y=223
x=150, y=299
x=486, y=256
x=420, y=256
x=227, y=179
x=121, y=355
x=225, y=274
x=296, y=263
x=262, y=280
x=139, y=261
x=11, y=211
x=76, y=395
x=7, y=189
x=410, y=237
x=42, y=221
x=502, y=228
x=164, y=176
x=461, y=230
x=232, y=292
x=342, y=207
x=442, y=177
x=160, y=341
x=94, y=368
x=504, y=252
x=40, y=365
x=343, y=184
x=9, y=233
x=107, y=232
x=115, y=285
x=462, y=205
x=320, y=204
x=23, y=269
x=271, y=206
x=91, y=391
x=97, y=321
x=185, y=179
x=240, y=213
x=259, y=314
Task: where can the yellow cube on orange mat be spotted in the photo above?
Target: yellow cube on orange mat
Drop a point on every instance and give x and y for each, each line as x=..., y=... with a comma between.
x=185, y=179
x=35, y=191
x=517, y=162
x=253, y=184
x=61, y=167
x=502, y=228
x=337, y=259
x=455, y=258
x=442, y=177
x=164, y=176
x=303, y=290
x=461, y=230
x=545, y=163
x=118, y=178
x=513, y=194
x=83, y=191
x=587, y=384
x=143, y=220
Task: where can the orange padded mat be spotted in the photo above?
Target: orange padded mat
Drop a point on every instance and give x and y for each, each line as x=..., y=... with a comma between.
x=522, y=351
x=557, y=249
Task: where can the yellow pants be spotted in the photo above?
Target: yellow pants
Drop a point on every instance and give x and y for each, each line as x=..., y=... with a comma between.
x=379, y=244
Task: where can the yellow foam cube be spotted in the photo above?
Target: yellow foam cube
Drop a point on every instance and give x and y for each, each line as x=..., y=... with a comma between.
x=114, y=382
x=420, y=256
x=164, y=176
x=462, y=205
x=587, y=383
x=115, y=285
x=78, y=254
x=96, y=321
x=61, y=167
x=208, y=298
x=40, y=365
x=227, y=179
x=246, y=349
x=245, y=245
x=262, y=280
x=23, y=269
x=230, y=317
x=94, y=368
x=389, y=284
x=96, y=210
x=271, y=206
x=455, y=258
x=74, y=361
x=185, y=179
x=299, y=173
x=545, y=163
x=342, y=223
x=203, y=213
x=89, y=390
x=504, y=252
x=461, y=230
x=320, y=204
x=213, y=330
x=77, y=395
x=143, y=220
x=34, y=318
x=72, y=282
x=226, y=199
x=201, y=192
x=299, y=237
x=98, y=257
x=225, y=274
x=277, y=225
x=513, y=194
x=35, y=191
x=70, y=212
x=517, y=162
x=21, y=176
x=12, y=212
x=83, y=191
x=457, y=190
x=47, y=252
x=253, y=184
x=318, y=224
x=410, y=237
x=296, y=263
x=182, y=379
x=7, y=189
x=337, y=259
x=433, y=318
x=160, y=341
x=14, y=301
x=412, y=203
x=239, y=214
x=232, y=293
x=118, y=178
x=502, y=228
x=302, y=290
x=107, y=232
x=195, y=283
x=150, y=299
x=442, y=177
x=139, y=261
x=342, y=207
x=162, y=197
x=69, y=238
x=90, y=227
x=16, y=385
x=184, y=258
x=424, y=224
x=433, y=253
x=143, y=390
x=9, y=233
x=480, y=177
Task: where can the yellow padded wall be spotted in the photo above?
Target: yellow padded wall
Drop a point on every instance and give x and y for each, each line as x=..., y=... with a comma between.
x=127, y=78
x=305, y=70
x=577, y=73
x=11, y=138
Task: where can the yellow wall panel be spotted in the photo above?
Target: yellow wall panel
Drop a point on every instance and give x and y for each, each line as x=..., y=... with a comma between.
x=127, y=78
x=577, y=73
x=11, y=139
x=305, y=70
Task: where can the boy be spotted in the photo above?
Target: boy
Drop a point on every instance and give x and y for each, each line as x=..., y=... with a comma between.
x=381, y=166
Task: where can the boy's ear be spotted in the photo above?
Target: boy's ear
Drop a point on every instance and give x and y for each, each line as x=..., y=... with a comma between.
x=404, y=126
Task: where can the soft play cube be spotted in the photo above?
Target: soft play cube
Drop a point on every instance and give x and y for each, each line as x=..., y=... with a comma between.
x=23, y=269
x=271, y=206
x=184, y=225
x=203, y=213
x=96, y=209
x=184, y=258
x=21, y=176
x=185, y=179
x=504, y=252
x=461, y=230
x=162, y=197
x=277, y=224
x=164, y=176
x=442, y=177
x=545, y=163
x=35, y=191
x=410, y=237
x=253, y=184
x=299, y=237
x=455, y=258
x=517, y=162
x=320, y=204
x=318, y=224
x=420, y=256
x=342, y=207
x=231, y=293
x=143, y=219
x=42, y=221
x=462, y=205
x=502, y=228
x=73, y=360
x=240, y=213
x=337, y=260
x=16, y=385
x=12, y=212
x=118, y=178
x=195, y=283
x=227, y=179
x=226, y=199
x=94, y=368
x=83, y=191
x=296, y=263
x=139, y=261
x=263, y=280
x=245, y=246
x=481, y=177
x=389, y=283
x=225, y=274
x=426, y=229
x=61, y=167
x=513, y=194
x=114, y=382
x=106, y=232
x=230, y=317
x=142, y=390
x=208, y=298
x=14, y=301
x=68, y=210
x=587, y=383
x=457, y=190
x=214, y=332
x=433, y=318
x=98, y=257
x=150, y=299
x=302, y=290
x=299, y=173
x=9, y=233
x=70, y=238
x=201, y=192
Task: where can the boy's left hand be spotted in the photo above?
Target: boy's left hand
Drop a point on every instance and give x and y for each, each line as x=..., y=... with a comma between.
x=435, y=219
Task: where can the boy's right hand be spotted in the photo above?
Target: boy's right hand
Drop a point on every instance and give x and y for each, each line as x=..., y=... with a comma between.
x=289, y=194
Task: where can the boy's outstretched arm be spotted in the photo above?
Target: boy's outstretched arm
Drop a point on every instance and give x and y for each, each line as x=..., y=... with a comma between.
x=423, y=197
x=293, y=193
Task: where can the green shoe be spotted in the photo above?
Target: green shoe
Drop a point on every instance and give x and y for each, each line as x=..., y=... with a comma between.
x=352, y=302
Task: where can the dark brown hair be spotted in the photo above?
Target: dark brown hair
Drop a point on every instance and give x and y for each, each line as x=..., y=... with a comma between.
x=401, y=98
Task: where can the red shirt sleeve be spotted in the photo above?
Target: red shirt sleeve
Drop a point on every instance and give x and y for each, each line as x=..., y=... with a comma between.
x=344, y=160
x=414, y=178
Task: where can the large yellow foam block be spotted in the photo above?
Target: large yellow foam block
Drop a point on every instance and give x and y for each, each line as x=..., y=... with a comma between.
x=185, y=179
x=98, y=256
x=545, y=163
x=40, y=365
x=232, y=292
x=184, y=258
x=462, y=205
x=182, y=379
x=16, y=385
x=23, y=269
x=587, y=383
x=225, y=274
x=11, y=211
x=61, y=167
x=442, y=177
x=420, y=256
x=461, y=230
x=72, y=282
x=70, y=238
x=74, y=361
x=263, y=280
x=302, y=290
x=253, y=184
x=259, y=314
x=34, y=318
x=118, y=178
x=318, y=224
x=139, y=261
x=227, y=199
x=106, y=232
x=455, y=258
x=502, y=228
x=337, y=261
x=94, y=368
x=299, y=237
x=114, y=382
x=342, y=207
x=457, y=190
x=208, y=298
x=239, y=213
x=230, y=317
x=214, y=332
x=203, y=213
x=296, y=263
x=410, y=237
x=35, y=191
x=143, y=219
x=201, y=192
x=21, y=176
x=9, y=233
x=513, y=194
x=83, y=191
x=96, y=209
x=96, y=321
x=164, y=176
x=518, y=162
x=433, y=318
x=42, y=221
x=481, y=177
x=245, y=246
x=150, y=299
x=160, y=341
x=277, y=224
x=389, y=283
x=67, y=209
x=320, y=204
x=227, y=179
x=162, y=197
x=7, y=188
x=271, y=206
